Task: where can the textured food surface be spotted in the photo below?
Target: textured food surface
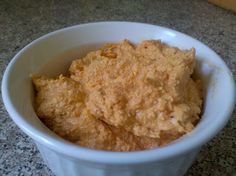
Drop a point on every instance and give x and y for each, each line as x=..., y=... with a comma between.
x=123, y=97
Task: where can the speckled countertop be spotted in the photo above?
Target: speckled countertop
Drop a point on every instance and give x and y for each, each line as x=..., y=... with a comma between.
x=22, y=21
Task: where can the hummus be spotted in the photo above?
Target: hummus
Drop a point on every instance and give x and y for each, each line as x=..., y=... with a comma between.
x=123, y=97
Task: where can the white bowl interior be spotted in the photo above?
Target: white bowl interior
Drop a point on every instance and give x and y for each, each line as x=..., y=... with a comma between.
x=53, y=53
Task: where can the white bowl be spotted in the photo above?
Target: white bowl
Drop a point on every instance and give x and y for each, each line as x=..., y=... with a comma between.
x=51, y=55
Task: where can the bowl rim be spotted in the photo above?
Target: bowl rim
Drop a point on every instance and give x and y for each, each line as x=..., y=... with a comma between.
x=68, y=149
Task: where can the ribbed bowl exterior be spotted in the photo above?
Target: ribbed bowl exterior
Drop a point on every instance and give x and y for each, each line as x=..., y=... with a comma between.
x=65, y=166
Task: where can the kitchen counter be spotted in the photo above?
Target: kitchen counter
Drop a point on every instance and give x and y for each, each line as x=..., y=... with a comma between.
x=22, y=21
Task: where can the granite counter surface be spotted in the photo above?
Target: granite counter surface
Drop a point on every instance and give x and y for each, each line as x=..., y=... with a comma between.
x=22, y=21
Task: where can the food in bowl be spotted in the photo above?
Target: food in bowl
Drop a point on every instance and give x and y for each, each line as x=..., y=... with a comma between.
x=123, y=97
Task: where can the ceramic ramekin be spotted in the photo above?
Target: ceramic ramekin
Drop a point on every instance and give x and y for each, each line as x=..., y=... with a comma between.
x=51, y=55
